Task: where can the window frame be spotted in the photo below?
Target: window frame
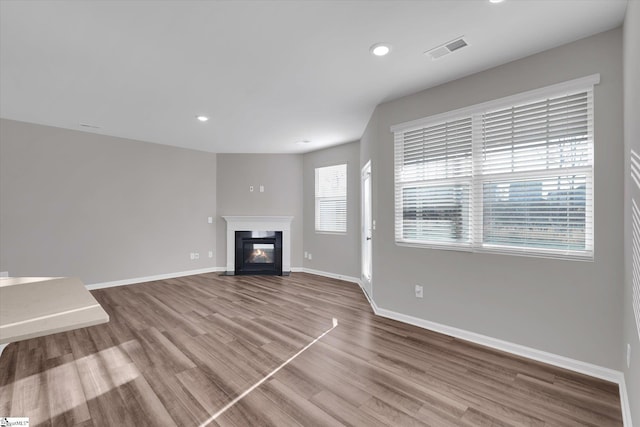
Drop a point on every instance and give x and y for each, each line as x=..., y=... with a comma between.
x=476, y=215
x=318, y=199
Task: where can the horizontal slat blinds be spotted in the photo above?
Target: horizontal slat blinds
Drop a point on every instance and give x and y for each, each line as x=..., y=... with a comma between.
x=548, y=134
x=514, y=177
x=548, y=212
x=635, y=236
x=536, y=174
x=331, y=199
x=437, y=152
x=439, y=213
x=635, y=260
x=433, y=183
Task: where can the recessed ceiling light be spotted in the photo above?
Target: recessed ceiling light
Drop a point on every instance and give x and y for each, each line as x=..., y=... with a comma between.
x=380, y=49
x=202, y=118
x=495, y=1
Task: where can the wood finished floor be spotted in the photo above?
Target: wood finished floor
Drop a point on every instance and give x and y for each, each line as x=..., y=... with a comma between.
x=177, y=351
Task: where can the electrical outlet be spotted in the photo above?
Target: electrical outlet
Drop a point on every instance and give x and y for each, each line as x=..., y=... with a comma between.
x=306, y=254
x=192, y=256
x=419, y=291
x=628, y=355
x=251, y=188
x=309, y=256
x=197, y=255
x=262, y=188
x=210, y=220
x=210, y=254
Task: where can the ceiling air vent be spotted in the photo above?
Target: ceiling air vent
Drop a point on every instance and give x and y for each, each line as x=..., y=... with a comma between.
x=447, y=48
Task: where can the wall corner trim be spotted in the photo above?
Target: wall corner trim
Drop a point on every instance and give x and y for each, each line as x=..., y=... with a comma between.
x=624, y=402
x=135, y=280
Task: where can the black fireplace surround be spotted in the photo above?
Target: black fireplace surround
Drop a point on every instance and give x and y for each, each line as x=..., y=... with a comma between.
x=259, y=252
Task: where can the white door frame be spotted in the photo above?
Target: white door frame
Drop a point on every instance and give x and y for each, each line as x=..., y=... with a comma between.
x=366, y=240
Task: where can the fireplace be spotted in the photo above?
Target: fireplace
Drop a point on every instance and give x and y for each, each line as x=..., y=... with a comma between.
x=280, y=224
x=258, y=252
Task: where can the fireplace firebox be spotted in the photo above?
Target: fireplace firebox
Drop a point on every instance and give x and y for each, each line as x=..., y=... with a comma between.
x=258, y=252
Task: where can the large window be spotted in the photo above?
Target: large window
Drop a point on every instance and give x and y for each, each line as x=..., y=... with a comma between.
x=513, y=175
x=331, y=199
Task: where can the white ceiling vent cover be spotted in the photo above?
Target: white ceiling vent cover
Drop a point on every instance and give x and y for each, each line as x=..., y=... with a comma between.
x=447, y=48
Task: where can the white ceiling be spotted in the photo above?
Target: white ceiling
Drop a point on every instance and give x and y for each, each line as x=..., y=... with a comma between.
x=267, y=73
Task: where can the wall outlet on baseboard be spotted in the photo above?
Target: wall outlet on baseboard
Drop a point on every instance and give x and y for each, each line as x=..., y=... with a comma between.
x=306, y=254
x=419, y=291
x=210, y=254
x=628, y=355
x=309, y=255
x=192, y=256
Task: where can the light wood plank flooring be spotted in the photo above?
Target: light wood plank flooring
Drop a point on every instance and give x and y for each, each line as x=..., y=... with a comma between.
x=177, y=351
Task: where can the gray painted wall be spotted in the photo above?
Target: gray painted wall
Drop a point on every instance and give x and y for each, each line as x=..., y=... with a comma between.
x=333, y=253
x=281, y=175
x=101, y=208
x=631, y=141
x=569, y=308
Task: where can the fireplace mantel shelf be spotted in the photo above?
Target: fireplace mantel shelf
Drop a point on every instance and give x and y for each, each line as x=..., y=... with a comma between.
x=270, y=218
x=258, y=223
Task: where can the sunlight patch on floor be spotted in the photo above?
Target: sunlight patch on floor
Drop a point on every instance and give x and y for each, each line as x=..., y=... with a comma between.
x=272, y=373
x=76, y=383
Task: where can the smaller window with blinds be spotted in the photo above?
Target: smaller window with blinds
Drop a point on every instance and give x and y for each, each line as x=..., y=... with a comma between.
x=331, y=199
x=635, y=260
x=513, y=175
x=635, y=236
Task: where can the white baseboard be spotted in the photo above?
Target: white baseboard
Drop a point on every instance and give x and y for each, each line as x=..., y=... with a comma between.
x=590, y=369
x=152, y=278
x=585, y=368
x=517, y=349
x=624, y=402
x=331, y=275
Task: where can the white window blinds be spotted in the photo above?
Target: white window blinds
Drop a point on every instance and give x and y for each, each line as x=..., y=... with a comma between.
x=331, y=199
x=513, y=175
x=433, y=177
x=635, y=236
x=537, y=168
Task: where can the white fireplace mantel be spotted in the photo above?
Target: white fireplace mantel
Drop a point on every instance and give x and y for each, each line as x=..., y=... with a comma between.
x=258, y=223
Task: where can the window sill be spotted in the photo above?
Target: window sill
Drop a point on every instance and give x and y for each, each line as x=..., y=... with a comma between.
x=332, y=233
x=497, y=250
